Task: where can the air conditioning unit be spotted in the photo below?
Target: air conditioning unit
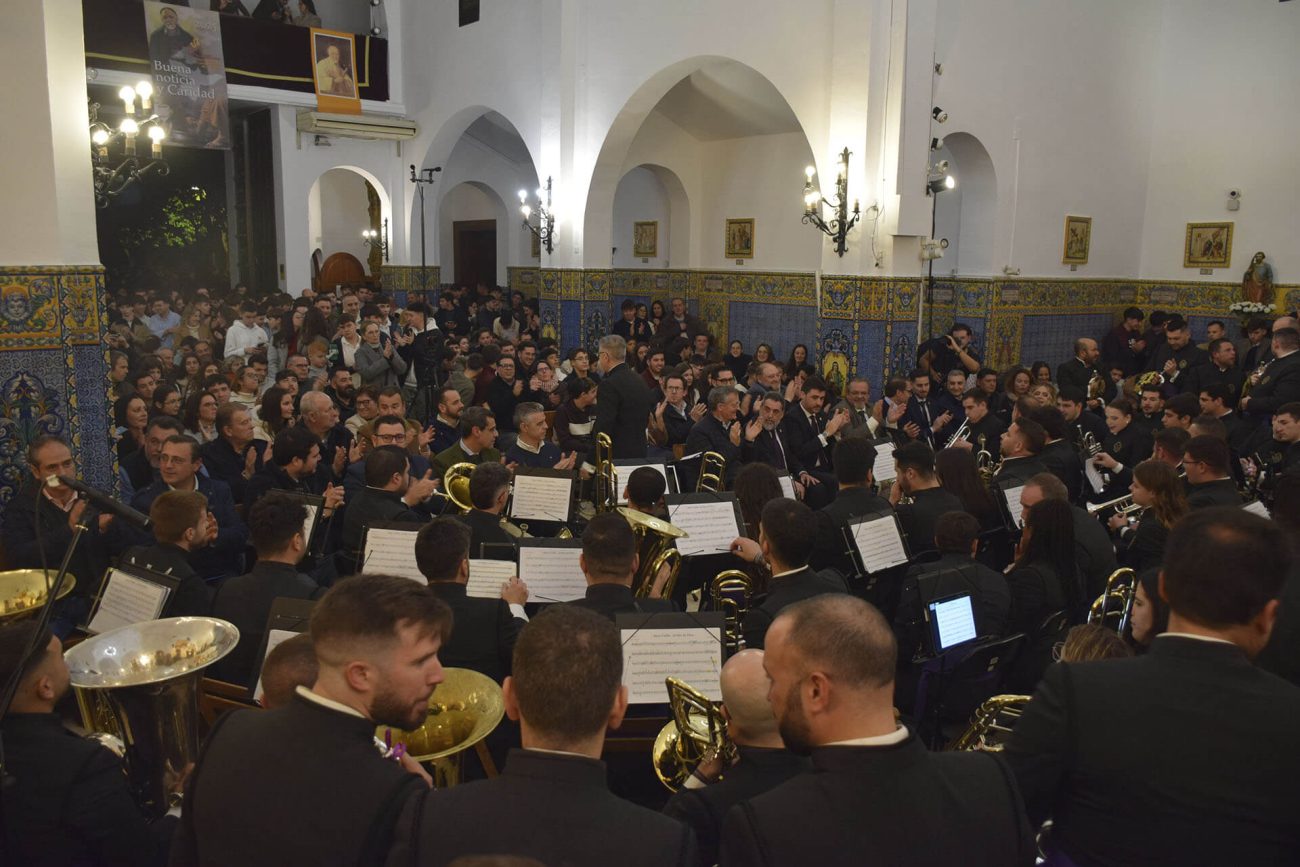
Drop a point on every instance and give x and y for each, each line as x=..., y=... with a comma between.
x=376, y=127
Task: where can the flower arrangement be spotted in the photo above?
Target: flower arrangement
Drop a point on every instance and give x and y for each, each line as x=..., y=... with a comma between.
x=1246, y=309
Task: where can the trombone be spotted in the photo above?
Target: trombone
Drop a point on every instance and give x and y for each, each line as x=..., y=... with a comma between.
x=1114, y=606
x=730, y=593
x=713, y=470
x=984, y=463
x=606, y=494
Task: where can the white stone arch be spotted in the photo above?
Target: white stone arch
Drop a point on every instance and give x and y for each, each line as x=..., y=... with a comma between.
x=315, y=215
x=447, y=216
x=675, y=238
x=611, y=161
x=967, y=215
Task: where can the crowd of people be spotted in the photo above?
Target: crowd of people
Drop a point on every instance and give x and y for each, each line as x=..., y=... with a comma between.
x=1023, y=488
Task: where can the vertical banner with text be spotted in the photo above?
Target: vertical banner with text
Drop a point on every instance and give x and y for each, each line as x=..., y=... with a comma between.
x=189, y=74
x=334, y=70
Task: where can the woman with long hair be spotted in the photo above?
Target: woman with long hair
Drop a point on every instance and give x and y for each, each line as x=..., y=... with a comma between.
x=286, y=339
x=657, y=313
x=959, y=476
x=274, y=414
x=643, y=315
x=1015, y=385
x=756, y=485
x=166, y=400
x=200, y=418
x=131, y=417
x=1125, y=446
x=1043, y=394
x=314, y=325
x=1040, y=372
x=763, y=353
x=798, y=358
x=1044, y=578
x=1150, y=615
x=1157, y=488
x=191, y=378
x=737, y=361
x=193, y=325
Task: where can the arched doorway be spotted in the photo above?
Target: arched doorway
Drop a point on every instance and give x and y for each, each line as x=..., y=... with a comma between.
x=341, y=204
x=652, y=218
x=966, y=215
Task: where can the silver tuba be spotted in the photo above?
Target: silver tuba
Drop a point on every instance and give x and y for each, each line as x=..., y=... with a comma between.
x=146, y=677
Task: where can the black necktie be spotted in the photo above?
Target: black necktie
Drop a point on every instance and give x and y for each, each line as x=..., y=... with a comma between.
x=780, y=450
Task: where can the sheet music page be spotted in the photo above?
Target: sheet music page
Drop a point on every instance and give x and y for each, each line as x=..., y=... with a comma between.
x=711, y=527
x=623, y=471
x=487, y=576
x=391, y=552
x=273, y=638
x=1012, y=496
x=787, y=486
x=539, y=498
x=309, y=525
x=651, y=655
x=1093, y=474
x=1257, y=508
x=128, y=600
x=552, y=574
x=884, y=470
x=879, y=544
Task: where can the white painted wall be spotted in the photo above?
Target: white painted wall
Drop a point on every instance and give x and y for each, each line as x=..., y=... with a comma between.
x=468, y=201
x=1224, y=116
x=641, y=196
x=344, y=214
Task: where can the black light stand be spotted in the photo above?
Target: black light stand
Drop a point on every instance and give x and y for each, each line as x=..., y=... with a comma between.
x=420, y=179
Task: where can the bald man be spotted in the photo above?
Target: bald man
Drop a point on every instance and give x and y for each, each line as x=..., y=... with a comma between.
x=1079, y=371
x=762, y=761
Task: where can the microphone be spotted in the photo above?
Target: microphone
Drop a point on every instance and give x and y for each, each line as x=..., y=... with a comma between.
x=101, y=500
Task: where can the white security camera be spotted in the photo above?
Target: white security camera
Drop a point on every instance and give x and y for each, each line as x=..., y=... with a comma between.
x=941, y=167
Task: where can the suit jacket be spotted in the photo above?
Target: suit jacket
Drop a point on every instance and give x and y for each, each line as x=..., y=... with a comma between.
x=23, y=546
x=1280, y=384
x=70, y=801
x=1144, y=547
x=919, y=517
x=1282, y=653
x=804, y=438
x=1074, y=373
x=922, y=414
x=610, y=600
x=444, y=435
x=560, y=812
x=895, y=804
x=861, y=421
x=677, y=425
x=623, y=407
x=1019, y=470
x=773, y=448
x=1209, y=373
x=783, y=591
x=1096, y=751
x=485, y=529
x=1063, y=461
x=192, y=597
x=372, y=506
x=246, y=601
x=224, y=464
x=703, y=810
x=484, y=634
x=240, y=798
x=1094, y=552
x=831, y=548
x=1220, y=492
x=454, y=454
x=225, y=556
x=709, y=435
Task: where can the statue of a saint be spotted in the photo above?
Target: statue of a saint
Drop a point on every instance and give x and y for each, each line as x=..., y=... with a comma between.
x=1257, y=283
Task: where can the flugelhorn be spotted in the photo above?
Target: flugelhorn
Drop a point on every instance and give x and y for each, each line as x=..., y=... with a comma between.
x=959, y=434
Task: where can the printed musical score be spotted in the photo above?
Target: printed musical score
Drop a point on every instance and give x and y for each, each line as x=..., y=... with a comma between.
x=128, y=600
x=623, y=471
x=651, y=655
x=711, y=527
x=1012, y=496
x=879, y=543
x=487, y=576
x=883, y=470
x=552, y=573
x=541, y=498
x=391, y=552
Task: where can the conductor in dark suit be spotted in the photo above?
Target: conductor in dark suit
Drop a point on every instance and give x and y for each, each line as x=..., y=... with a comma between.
x=609, y=562
x=486, y=629
x=67, y=801
x=275, y=526
x=551, y=802
x=877, y=795
x=263, y=792
x=762, y=762
x=623, y=401
x=787, y=531
x=1186, y=755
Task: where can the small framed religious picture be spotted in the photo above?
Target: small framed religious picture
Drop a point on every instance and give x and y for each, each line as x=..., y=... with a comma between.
x=645, y=238
x=1078, y=238
x=740, y=239
x=1208, y=245
x=334, y=64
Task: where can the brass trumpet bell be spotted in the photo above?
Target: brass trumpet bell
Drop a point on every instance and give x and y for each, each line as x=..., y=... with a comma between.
x=22, y=591
x=455, y=483
x=464, y=709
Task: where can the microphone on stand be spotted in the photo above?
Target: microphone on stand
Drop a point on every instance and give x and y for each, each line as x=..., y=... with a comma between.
x=101, y=500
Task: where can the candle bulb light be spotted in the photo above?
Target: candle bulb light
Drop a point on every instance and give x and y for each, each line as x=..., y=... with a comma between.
x=127, y=95
x=156, y=136
x=145, y=91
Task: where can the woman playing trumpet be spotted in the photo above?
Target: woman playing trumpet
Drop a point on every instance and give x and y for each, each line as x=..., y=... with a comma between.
x=1158, y=491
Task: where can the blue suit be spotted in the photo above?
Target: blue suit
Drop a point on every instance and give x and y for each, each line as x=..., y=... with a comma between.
x=225, y=556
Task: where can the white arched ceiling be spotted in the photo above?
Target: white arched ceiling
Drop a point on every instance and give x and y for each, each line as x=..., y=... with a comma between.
x=701, y=118
x=966, y=215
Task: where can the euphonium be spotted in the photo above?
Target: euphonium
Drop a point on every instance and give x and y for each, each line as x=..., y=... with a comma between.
x=455, y=485
x=606, y=483
x=991, y=724
x=730, y=594
x=713, y=470
x=1114, y=607
x=146, y=676
x=696, y=729
x=656, y=543
x=1096, y=386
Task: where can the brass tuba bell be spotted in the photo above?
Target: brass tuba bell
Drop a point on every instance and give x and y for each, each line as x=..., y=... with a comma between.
x=23, y=591
x=455, y=485
x=656, y=544
x=696, y=729
x=147, y=676
x=463, y=710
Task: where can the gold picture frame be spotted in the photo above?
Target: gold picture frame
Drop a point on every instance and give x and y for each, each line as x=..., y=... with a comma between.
x=739, y=240
x=1208, y=245
x=645, y=238
x=1077, y=242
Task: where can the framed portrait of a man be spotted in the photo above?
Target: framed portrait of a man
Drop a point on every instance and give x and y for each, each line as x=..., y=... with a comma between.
x=1208, y=245
x=334, y=71
x=740, y=239
x=645, y=238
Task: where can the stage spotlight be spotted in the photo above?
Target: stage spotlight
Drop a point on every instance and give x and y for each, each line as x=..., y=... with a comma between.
x=939, y=185
x=939, y=114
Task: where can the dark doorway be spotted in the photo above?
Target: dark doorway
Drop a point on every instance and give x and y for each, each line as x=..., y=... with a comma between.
x=475, y=243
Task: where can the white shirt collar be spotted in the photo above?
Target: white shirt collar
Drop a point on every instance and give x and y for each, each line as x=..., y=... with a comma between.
x=1197, y=637
x=330, y=703
x=789, y=572
x=464, y=448
x=537, y=450
x=895, y=737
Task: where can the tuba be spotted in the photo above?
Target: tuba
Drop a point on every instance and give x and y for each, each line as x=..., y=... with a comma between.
x=1113, y=608
x=696, y=729
x=455, y=485
x=991, y=724
x=24, y=591
x=713, y=470
x=656, y=543
x=144, y=681
x=606, y=493
x=730, y=593
x=463, y=710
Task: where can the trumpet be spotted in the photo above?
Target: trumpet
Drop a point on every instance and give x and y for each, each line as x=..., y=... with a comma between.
x=1122, y=505
x=960, y=433
x=984, y=463
x=1253, y=379
x=1089, y=445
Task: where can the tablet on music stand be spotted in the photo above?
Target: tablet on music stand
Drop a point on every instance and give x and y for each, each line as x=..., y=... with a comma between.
x=951, y=622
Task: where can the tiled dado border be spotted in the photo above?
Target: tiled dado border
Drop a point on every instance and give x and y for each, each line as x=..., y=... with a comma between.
x=578, y=305
x=402, y=280
x=53, y=369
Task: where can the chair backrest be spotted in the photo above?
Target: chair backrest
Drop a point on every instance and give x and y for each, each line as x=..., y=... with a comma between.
x=1053, y=624
x=987, y=658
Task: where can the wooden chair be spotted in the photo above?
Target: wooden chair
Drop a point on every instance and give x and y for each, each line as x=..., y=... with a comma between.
x=217, y=696
x=550, y=425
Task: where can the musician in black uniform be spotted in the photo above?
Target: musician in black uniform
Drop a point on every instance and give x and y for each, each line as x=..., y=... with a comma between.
x=1209, y=482
x=489, y=491
x=854, y=458
x=179, y=521
x=1125, y=446
x=552, y=801
x=1096, y=752
x=1280, y=382
x=1177, y=356
x=1151, y=408
x=981, y=422
x=486, y=630
x=1081, y=371
x=1218, y=401
x=1060, y=455
x=1221, y=369
x=831, y=663
x=914, y=464
x=1021, y=446
x=66, y=801
x=1282, y=453
x=389, y=495
x=609, y=562
x=1140, y=542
